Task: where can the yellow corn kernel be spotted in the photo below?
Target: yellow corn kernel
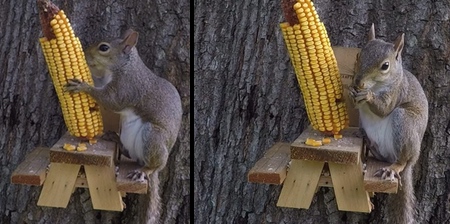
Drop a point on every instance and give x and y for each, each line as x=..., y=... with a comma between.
x=81, y=147
x=65, y=60
x=92, y=141
x=316, y=69
x=312, y=142
x=338, y=136
x=326, y=141
x=69, y=147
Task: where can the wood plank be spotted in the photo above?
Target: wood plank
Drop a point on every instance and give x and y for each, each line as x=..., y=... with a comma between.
x=271, y=168
x=99, y=154
x=346, y=150
x=325, y=178
x=325, y=181
x=32, y=170
x=102, y=188
x=348, y=185
x=110, y=120
x=58, y=185
x=81, y=182
x=124, y=184
x=376, y=184
x=300, y=184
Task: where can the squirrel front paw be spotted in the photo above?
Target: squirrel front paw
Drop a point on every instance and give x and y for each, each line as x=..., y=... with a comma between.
x=360, y=96
x=76, y=85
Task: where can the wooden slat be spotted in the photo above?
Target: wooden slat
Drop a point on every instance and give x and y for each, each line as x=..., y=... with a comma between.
x=325, y=181
x=110, y=120
x=81, y=182
x=346, y=58
x=58, y=185
x=125, y=184
x=300, y=184
x=376, y=184
x=32, y=170
x=349, y=189
x=271, y=168
x=344, y=151
x=102, y=188
x=99, y=154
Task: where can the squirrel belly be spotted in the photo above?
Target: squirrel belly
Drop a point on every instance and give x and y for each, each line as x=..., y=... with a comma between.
x=379, y=131
x=131, y=134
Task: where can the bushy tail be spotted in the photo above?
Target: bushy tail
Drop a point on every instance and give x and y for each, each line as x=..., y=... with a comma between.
x=401, y=206
x=153, y=210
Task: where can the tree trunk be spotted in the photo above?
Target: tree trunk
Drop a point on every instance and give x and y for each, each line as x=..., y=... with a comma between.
x=247, y=98
x=30, y=114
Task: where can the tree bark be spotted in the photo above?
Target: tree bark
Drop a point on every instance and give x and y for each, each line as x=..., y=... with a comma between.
x=30, y=114
x=247, y=98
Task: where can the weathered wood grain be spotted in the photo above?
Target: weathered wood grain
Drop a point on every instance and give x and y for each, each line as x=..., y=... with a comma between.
x=33, y=169
x=346, y=150
x=101, y=153
x=376, y=184
x=272, y=167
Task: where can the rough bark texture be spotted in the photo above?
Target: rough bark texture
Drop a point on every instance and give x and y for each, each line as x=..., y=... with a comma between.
x=247, y=98
x=29, y=110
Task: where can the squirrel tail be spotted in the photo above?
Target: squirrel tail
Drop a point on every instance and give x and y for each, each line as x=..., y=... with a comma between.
x=401, y=206
x=153, y=210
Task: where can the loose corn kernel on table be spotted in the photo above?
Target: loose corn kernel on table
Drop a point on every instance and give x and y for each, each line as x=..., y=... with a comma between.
x=337, y=165
x=60, y=171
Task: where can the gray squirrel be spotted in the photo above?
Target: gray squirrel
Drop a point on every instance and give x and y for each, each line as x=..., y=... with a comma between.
x=149, y=107
x=393, y=113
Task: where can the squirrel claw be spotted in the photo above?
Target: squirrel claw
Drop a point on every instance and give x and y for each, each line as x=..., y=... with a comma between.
x=387, y=173
x=137, y=175
x=75, y=85
x=363, y=95
x=359, y=96
x=352, y=93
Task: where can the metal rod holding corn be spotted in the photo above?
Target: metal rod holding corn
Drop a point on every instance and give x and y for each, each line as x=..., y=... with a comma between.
x=315, y=66
x=65, y=60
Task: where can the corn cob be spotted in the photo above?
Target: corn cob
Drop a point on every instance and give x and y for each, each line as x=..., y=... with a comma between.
x=315, y=67
x=65, y=60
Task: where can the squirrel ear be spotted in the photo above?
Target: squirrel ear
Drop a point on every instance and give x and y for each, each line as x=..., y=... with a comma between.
x=129, y=40
x=372, y=32
x=398, y=45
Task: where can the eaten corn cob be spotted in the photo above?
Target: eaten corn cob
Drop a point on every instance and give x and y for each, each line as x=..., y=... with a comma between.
x=65, y=60
x=315, y=67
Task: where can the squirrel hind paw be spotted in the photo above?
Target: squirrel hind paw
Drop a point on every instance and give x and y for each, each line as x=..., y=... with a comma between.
x=387, y=173
x=137, y=175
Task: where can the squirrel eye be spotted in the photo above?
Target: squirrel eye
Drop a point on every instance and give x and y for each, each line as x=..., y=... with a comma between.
x=103, y=47
x=385, y=66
